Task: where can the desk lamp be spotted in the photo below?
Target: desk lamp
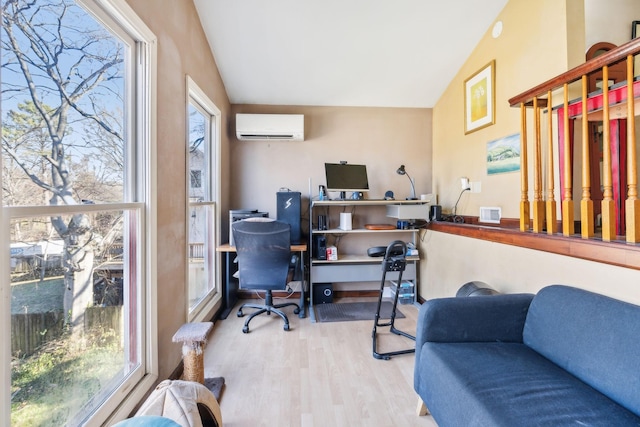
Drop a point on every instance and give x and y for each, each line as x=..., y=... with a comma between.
x=402, y=171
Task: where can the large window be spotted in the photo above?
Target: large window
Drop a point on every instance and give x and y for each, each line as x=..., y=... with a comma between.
x=203, y=138
x=76, y=167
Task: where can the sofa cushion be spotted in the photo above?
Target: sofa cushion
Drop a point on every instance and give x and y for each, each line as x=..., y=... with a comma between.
x=481, y=318
x=592, y=336
x=508, y=384
x=498, y=318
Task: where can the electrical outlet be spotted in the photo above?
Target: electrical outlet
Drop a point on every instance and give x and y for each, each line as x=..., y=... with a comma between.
x=464, y=183
x=475, y=186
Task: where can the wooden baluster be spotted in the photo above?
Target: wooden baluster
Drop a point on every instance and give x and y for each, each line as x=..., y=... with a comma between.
x=586, y=204
x=608, y=205
x=524, y=172
x=552, y=224
x=632, y=204
x=567, y=196
x=538, y=202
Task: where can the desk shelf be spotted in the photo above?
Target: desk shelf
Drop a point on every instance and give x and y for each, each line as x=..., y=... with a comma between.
x=366, y=202
x=359, y=259
x=353, y=264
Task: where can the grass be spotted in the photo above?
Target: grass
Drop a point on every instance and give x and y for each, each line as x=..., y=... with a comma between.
x=53, y=385
x=50, y=294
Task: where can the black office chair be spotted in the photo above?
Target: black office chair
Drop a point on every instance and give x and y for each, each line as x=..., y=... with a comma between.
x=264, y=258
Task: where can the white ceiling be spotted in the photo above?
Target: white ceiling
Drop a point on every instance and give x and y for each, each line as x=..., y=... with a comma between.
x=378, y=53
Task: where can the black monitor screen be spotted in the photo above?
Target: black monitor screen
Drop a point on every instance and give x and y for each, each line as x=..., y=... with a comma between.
x=345, y=177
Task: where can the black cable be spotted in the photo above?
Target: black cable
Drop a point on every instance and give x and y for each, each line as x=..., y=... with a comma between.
x=455, y=208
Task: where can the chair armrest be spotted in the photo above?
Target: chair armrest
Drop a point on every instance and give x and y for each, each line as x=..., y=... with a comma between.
x=469, y=319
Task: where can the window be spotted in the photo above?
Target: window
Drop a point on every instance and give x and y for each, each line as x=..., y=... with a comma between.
x=76, y=164
x=202, y=146
x=196, y=178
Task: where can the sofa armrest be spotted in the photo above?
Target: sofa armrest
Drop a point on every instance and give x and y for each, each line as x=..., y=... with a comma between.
x=468, y=319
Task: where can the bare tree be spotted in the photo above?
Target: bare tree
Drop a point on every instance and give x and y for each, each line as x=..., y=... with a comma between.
x=69, y=69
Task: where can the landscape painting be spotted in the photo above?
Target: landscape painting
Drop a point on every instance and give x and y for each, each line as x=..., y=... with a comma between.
x=503, y=155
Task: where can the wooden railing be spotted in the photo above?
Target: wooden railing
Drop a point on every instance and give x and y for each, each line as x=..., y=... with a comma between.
x=615, y=215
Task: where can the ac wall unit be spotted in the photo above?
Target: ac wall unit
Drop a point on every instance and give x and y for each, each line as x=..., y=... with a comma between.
x=274, y=127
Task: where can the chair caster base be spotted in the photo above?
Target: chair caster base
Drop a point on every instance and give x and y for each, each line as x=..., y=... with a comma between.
x=286, y=327
x=296, y=310
x=240, y=313
x=381, y=356
x=245, y=329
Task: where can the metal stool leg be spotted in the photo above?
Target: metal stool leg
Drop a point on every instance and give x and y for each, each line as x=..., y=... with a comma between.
x=391, y=263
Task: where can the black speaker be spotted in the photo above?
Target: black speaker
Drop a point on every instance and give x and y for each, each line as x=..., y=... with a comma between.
x=436, y=213
x=289, y=212
x=320, y=247
x=323, y=293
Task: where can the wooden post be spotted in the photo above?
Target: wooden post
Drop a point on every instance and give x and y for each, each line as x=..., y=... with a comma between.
x=421, y=409
x=552, y=224
x=632, y=204
x=524, y=172
x=538, y=203
x=608, y=205
x=194, y=338
x=586, y=204
x=567, y=196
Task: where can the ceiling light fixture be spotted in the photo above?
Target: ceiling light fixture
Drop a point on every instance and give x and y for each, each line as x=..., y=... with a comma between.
x=496, y=30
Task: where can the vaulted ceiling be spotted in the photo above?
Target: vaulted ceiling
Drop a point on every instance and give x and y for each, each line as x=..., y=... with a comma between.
x=343, y=52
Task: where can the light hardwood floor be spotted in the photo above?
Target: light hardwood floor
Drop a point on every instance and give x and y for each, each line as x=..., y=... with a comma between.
x=315, y=375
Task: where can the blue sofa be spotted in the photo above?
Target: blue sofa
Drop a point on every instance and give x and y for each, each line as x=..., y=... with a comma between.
x=564, y=357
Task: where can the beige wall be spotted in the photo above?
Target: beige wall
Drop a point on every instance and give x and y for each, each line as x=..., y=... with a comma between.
x=380, y=138
x=452, y=261
x=540, y=40
x=531, y=49
x=534, y=46
x=177, y=26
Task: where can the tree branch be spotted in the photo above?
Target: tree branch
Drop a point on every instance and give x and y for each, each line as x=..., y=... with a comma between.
x=26, y=170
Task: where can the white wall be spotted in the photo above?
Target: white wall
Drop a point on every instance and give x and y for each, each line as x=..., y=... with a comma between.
x=609, y=21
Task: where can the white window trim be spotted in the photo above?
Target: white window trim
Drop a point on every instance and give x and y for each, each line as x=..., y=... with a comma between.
x=146, y=107
x=203, y=310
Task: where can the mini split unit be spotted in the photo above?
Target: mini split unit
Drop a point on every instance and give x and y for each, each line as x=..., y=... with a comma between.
x=274, y=127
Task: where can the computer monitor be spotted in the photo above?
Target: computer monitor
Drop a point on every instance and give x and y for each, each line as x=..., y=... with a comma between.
x=344, y=177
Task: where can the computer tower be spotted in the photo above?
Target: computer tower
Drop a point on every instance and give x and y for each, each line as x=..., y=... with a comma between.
x=238, y=214
x=322, y=293
x=289, y=211
x=319, y=247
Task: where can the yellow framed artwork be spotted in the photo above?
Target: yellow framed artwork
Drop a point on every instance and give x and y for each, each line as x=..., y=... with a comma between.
x=479, y=99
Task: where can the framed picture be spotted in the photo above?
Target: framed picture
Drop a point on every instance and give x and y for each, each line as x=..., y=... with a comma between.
x=503, y=154
x=635, y=29
x=479, y=99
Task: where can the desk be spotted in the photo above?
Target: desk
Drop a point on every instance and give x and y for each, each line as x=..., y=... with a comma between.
x=231, y=286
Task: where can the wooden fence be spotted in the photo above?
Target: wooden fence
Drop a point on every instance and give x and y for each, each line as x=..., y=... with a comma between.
x=31, y=330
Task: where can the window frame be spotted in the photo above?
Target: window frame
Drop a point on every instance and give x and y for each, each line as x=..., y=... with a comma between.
x=211, y=185
x=118, y=17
